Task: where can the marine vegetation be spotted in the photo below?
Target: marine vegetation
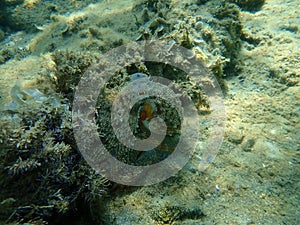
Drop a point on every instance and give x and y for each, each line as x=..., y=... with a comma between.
x=43, y=178
x=69, y=67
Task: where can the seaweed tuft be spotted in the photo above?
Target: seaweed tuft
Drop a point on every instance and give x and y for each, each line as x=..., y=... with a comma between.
x=69, y=66
x=39, y=156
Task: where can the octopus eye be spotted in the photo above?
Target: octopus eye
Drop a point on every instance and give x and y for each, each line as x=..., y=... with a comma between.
x=137, y=76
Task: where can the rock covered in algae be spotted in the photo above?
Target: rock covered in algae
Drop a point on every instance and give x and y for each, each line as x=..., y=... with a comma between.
x=67, y=75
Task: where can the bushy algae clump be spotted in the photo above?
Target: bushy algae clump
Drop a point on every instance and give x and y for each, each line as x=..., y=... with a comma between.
x=44, y=179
